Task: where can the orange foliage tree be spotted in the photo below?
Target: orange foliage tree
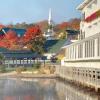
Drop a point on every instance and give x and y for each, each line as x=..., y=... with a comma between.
x=34, y=39
x=31, y=33
x=61, y=27
x=11, y=36
x=43, y=25
x=75, y=23
x=1, y=26
x=9, y=39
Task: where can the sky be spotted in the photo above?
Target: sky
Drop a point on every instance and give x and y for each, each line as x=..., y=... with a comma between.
x=30, y=11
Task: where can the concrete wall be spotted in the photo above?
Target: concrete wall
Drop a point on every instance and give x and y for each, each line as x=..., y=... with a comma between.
x=84, y=73
x=82, y=62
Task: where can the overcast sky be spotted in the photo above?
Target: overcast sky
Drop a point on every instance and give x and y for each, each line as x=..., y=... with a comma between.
x=14, y=11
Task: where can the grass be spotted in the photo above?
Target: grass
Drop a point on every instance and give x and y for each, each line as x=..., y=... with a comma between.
x=36, y=68
x=10, y=69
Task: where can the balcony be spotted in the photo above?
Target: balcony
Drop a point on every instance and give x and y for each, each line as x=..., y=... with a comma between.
x=87, y=49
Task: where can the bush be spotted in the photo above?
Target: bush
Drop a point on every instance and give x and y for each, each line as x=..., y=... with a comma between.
x=52, y=69
x=20, y=69
x=2, y=69
x=37, y=65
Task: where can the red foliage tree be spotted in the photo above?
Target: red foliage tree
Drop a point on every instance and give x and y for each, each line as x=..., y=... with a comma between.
x=1, y=36
x=11, y=36
x=4, y=43
x=75, y=23
x=31, y=33
x=63, y=25
x=43, y=25
x=9, y=39
x=1, y=26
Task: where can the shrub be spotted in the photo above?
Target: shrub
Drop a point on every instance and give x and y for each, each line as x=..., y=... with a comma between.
x=37, y=65
x=52, y=69
x=20, y=69
x=2, y=69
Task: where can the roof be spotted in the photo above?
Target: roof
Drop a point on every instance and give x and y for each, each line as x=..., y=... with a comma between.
x=18, y=31
x=53, y=46
x=72, y=32
x=3, y=50
x=68, y=42
x=82, y=5
x=19, y=54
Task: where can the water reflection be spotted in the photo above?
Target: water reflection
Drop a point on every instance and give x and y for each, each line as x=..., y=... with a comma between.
x=41, y=89
x=70, y=92
x=22, y=89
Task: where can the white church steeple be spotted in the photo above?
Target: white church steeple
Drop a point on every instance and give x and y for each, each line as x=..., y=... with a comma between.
x=49, y=34
x=50, y=17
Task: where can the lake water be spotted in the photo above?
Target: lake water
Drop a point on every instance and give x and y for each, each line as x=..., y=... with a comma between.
x=42, y=89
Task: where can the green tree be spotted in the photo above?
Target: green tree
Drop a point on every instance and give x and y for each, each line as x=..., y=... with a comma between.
x=1, y=58
x=2, y=68
x=34, y=39
x=38, y=45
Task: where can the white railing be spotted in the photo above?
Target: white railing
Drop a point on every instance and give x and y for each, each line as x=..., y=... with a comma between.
x=19, y=62
x=86, y=49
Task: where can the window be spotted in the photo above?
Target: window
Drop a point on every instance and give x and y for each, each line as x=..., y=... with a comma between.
x=90, y=26
x=98, y=72
x=95, y=2
x=84, y=34
x=90, y=6
x=95, y=23
x=93, y=76
x=98, y=77
x=83, y=16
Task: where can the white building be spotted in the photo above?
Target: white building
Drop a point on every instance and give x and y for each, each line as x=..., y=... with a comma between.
x=82, y=59
x=90, y=24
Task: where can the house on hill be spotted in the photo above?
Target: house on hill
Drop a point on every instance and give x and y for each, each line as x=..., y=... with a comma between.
x=72, y=34
x=19, y=32
x=62, y=51
x=57, y=46
x=18, y=57
x=53, y=46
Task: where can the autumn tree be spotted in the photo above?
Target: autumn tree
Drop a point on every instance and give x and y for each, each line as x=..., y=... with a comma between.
x=1, y=33
x=1, y=36
x=1, y=26
x=11, y=36
x=1, y=58
x=75, y=23
x=31, y=33
x=38, y=45
x=63, y=26
x=10, y=39
x=4, y=44
x=43, y=25
x=34, y=38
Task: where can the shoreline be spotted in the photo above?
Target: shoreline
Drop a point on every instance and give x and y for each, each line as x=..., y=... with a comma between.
x=26, y=75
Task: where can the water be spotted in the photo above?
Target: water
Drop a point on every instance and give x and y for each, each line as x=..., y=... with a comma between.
x=42, y=89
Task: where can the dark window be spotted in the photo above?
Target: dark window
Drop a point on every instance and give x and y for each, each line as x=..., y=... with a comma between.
x=98, y=72
x=93, y=76
x=98, y=77
x=93, y=71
